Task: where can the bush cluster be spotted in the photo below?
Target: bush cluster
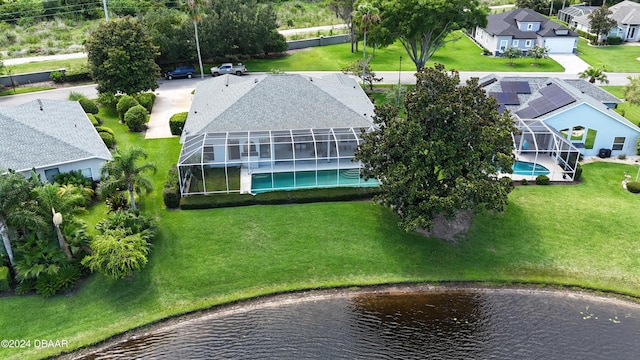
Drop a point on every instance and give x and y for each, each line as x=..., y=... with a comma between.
x=4, y=278
x=171, y=190
x=633, y=186
x=88, y=106
x=125, y=103
x=73, y=177
x=108, y=139
x=176, y=123
x=278, y=197
x=94, y=120
x=578, y=174
x=542, y=180
x=80, y=74
x=136, y=118
x=147, y=100
x=57, y=76
x=65, y=279
x=614, y=40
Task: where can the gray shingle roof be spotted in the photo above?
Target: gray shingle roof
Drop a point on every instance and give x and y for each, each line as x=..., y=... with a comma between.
x=504, y=24
x=41, y=133
x=578, y=89
x=277, y=102
x=626, y=12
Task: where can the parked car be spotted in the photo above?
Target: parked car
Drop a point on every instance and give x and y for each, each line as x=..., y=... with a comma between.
x=228, y=68
x=181, y=72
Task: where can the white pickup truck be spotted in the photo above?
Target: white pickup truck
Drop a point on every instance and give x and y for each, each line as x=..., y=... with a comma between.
x=228, y=68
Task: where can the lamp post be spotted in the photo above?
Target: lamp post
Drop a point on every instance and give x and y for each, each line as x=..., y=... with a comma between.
x=57, y=221
x=399, y=76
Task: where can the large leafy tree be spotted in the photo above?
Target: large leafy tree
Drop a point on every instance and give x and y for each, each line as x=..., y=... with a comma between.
x=600, y=22
x=124, y=173
x=423, y=26
x=444, y=157
x=121, y=57
x=632, y=90
x=165, y=28
x=539, y=6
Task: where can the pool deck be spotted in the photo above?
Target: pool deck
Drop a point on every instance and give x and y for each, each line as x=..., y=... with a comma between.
x=555, y=171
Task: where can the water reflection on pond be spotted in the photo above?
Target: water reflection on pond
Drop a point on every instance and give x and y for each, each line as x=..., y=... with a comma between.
x=436, y=324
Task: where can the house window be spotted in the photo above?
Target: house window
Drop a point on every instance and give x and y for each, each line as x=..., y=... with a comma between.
x=618, y=143
x=87, y=173
x=503, y=45
x=233, y=148
x=527, y=43
x=208, y=154
x=516, y=43
x=49, y=174
x=529, y=26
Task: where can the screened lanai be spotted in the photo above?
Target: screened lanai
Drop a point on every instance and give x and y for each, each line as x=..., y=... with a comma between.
x=540, y=149
x=258, y=161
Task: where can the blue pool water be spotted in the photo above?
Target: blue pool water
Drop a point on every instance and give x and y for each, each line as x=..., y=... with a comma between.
x=307, y=179
x=527, y=168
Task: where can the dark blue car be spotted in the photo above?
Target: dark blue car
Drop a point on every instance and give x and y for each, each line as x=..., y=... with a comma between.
x=181, y=72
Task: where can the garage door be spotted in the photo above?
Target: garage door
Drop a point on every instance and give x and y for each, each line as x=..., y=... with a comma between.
x=560, y=45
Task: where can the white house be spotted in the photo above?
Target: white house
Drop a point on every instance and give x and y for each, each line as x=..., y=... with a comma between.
x=625, y=13
x=279, y=131
x=578, y=110
x=52, y=137
x=524, y=28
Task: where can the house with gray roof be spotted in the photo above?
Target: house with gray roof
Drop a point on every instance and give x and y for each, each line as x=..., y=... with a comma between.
x=52, y=137
x=570, y=13
x=578, y=111
x=523, y=29
x=625, y=13
x=276, y=131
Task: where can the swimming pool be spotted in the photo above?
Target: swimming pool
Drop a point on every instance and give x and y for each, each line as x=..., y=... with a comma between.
x=308, y=179
x=528, y=168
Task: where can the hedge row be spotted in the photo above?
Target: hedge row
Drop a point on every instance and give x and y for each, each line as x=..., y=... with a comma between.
x=4, y=278
x=147, y=100
x=278, y=197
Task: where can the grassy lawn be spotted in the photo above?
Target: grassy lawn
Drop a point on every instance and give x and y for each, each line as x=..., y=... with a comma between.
x=24, y=90
x=628, y=110
x=548, y=234
x=36, y=66
x=615, y=58
x=462, y=55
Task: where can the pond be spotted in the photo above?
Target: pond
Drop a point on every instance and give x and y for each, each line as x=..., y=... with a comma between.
x=397, y=323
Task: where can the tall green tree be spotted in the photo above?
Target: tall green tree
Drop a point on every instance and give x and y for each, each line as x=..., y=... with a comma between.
x=600, y=22
x=165, y=28
x=512, y=53
x=632, y=90
x=124, y=173
x=344, y=10
x=444, y=157
x=193, y=8
x=538, y=52
x=539, y=6
x=121, y=57
x=423, y=26
x=594, y=73
x=366, y=16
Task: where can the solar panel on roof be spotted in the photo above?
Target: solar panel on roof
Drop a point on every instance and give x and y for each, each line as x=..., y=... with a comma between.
x=518, y=87
x=504, y=98
x=488, y=82
x=553, y=98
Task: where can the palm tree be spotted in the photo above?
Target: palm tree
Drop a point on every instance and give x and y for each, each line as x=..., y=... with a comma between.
x=594, y=74
x=368, y=15
x=123, y=173
x=15, y=209
x=193, y=8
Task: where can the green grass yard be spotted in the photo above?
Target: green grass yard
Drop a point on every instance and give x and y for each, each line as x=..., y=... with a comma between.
x=628, y=110
x=553, y=235
x=614, y=58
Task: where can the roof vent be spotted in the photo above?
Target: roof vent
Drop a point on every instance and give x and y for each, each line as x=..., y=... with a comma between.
x=40, y=103
x=255, y=81
x=311, y=79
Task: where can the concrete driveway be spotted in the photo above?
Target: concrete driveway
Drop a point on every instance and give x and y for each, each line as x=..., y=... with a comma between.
x=572, y=63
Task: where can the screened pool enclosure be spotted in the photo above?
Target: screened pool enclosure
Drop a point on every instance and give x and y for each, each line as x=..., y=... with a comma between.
x=258, y=161
x=540, y=149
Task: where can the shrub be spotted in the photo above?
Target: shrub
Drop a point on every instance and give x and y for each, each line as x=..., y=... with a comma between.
x=65, y=279
x=622, y=156
x=136, y=118
x=147, y=100
x=104, y=129
x=88, y=106
x=4, y=278
x=171, y=190
x=633, y=186
x=94, y=120
x=26, y=286
x=542, y=180
x=57, y=76
x=117, y=202
x=73, y=177
x=614, y=40
x=176, y=123
x=578, y=174
x=524, y=182
x=125, y=103
x=75, y=96
x=108, y=139
x=133, y=222
x=81, y=73
x=108, y=100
